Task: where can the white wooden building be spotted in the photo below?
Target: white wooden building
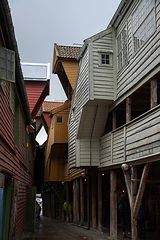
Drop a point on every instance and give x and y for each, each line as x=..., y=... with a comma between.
x=115, y=112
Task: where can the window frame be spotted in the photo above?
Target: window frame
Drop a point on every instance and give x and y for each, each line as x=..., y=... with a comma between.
x=122, y=49
x=57, y=118
x=109, y=53
x=7, y=68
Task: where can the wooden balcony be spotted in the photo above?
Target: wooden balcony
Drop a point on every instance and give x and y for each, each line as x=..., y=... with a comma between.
x=138, y=140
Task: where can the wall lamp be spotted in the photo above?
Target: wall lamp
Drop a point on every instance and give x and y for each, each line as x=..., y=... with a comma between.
x=124, y=167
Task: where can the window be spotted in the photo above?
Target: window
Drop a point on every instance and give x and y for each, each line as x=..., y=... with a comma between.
x=7, y=68
x=59, y=119
x=105, y=59
x=143, y=23
x=122, y=47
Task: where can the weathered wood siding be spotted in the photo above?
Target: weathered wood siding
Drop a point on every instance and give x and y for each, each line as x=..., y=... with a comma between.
x=81, y=96
x=145, y=60
x=103, y=76
x=136, y=140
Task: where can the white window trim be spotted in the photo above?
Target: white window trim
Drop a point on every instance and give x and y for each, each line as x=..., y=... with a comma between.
x=110, y=53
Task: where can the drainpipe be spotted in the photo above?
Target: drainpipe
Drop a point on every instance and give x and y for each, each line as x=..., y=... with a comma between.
x=92, y=133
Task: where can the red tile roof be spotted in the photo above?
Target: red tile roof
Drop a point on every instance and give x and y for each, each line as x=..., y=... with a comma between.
x=48, y=106
x=68, y=51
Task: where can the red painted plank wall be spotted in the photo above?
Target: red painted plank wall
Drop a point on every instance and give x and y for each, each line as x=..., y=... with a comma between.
x=34, y=91
x=13, y=158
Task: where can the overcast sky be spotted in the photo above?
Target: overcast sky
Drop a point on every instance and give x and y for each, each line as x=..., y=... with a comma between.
x=38, y=24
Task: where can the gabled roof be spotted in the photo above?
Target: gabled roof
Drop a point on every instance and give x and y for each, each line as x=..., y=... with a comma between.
x=60, y=108
x=48, y=106
x=67, y=51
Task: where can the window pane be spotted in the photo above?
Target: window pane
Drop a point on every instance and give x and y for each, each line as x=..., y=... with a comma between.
x=3, y=53
x=10, y=76
x=10, y=56
x=3, y=73
x=3, y=63
x=10, y=66
x=59, y=119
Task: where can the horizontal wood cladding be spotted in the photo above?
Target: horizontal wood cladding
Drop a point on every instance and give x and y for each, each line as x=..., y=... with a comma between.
x=145, y=60
x=34, y=92
x=81, y=96
x=103, y=77
x=139, y=139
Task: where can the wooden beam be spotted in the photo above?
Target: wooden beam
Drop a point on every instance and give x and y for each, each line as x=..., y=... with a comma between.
x=133, y=197
x=153, y=92
x=74, y=201
x=113, y=204
x=67, y=203
x=128, y=109
x=77, y=200
x=93, y=202
x=128, y=184
x=99, y=201
x=114, y=119
x=141, y=189
x=82, y=200
x=60, y=200
x=88, y=202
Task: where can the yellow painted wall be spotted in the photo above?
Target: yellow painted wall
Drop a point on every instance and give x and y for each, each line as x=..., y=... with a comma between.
x=71, y=69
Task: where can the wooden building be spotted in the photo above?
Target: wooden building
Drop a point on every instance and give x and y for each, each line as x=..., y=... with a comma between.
x=16, y=143
x=114, y=116
x=58, y=185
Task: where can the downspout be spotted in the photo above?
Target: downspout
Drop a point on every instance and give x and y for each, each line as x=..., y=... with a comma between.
x=92, y=134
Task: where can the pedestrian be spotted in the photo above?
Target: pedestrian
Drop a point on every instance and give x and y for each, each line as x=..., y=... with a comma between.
x=124, y=211
x=38, y=210
x=141, y=222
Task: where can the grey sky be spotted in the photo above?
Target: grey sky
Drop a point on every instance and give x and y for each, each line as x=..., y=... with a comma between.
x=39, y=24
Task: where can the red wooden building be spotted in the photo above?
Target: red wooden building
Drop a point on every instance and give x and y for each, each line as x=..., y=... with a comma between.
x=16, y=143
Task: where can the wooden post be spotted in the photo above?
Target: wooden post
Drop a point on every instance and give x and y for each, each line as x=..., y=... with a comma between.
x=133, y=197
x=60, y=201
x=74, y=201
x=77, y=200
x=113, y=204
x=99, y=201
x=88, y=202
x=93, y=202
x=67, y=203
x=153, y=92
x=63, y=197
x=82, y=201
x=128, y=109
x=114, y=119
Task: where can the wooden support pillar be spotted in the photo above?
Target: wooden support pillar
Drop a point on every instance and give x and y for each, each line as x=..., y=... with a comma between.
x=114, y=119
x=63, y=198
x=128, y=109
x=77, y=200
x=113, y=204
x=74, y=201
x=82, y=200
x=153, y=101
x=88, y=202
x=133, y=198
x=49, y=203
x=99, y=201
x=60, y=201
x=93, y=202
x=52, y=205
x=67, y=203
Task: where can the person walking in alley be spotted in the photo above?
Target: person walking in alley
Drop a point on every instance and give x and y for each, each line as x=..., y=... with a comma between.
x=124, y=211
